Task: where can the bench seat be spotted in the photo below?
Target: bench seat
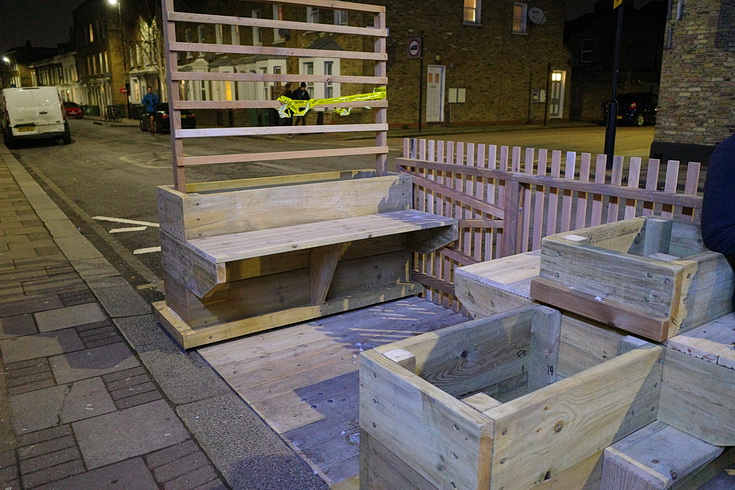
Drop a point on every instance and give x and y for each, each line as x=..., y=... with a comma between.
x=249, y=244
x=201, y=264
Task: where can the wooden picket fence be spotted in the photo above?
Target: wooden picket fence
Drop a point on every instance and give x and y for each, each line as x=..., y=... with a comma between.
x=508, y=198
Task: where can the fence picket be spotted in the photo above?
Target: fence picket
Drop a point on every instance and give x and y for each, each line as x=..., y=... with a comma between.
x=553, y=194
x=649, y=208
x=613, y=204
x=570, y=169
x=672, y=179
x=634, y=178
x=538, y=212
x=584, y=176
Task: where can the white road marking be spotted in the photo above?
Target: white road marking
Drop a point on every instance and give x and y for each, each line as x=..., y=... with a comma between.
x=125, y=230
x=126, y=221
x=146, y=250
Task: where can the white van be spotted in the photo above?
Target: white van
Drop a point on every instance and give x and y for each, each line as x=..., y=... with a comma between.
x=33, y=113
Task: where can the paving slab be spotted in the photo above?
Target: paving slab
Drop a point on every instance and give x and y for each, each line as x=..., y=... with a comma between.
x=245, y=450
x=131, y=474
x=70, y=316
x=77, y=247
x=30, y=304
x=14, y=326
x=92, y=362
x=128, y=433
x=40, y=345
x=62, y=228
x=184, y=377
x=94, y=268
x=118, y=297
x=63, y=404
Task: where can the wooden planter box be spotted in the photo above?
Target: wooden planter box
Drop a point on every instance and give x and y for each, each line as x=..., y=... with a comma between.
x=649, y=276
x=478, y=405
x=249, y=255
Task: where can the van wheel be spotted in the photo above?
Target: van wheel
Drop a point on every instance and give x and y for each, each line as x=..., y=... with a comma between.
x=9, y=140
x=66, y=139
x=639, y=120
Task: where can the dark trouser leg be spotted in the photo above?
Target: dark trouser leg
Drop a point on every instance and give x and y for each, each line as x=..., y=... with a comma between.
x=731, y=259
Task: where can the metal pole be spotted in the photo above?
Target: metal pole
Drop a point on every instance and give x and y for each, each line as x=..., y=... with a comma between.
x=125, y=58
x=612, y=114
x=421, y=81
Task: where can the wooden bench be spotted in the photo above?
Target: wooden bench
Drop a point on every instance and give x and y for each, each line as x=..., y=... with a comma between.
x=294, y=251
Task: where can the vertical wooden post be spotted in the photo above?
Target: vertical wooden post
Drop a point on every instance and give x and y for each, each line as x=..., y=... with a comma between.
x=169, y=36
x=511, y=206
x=381, y=116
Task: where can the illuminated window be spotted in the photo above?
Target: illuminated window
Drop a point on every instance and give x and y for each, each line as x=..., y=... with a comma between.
x=257, y=38
x=472, y=11
x=91, y=33
x=520, y=11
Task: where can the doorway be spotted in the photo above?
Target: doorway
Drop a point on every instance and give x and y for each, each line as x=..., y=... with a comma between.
x=556, y=98
x=435, y=93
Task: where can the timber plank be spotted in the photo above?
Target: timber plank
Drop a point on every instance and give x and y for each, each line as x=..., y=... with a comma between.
x=550, y=430
x=698, y=397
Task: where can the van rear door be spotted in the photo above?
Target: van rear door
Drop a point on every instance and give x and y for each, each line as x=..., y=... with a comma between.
x=48, y=107
x=22, y=113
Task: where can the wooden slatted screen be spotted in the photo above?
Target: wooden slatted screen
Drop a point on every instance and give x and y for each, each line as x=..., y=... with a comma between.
x=379, y=57
x=506, y=198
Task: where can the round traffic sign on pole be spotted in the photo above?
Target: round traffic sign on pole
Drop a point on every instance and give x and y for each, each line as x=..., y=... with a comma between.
x=414, y=47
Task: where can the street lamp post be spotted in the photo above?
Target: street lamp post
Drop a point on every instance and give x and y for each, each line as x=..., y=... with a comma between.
x=114, y=3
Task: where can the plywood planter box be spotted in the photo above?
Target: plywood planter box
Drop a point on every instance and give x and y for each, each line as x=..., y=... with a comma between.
x=479, y=405
x=249, y=255
x=649, y=276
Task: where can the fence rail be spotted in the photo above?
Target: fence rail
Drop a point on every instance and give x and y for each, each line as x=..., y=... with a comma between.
x=508, y=198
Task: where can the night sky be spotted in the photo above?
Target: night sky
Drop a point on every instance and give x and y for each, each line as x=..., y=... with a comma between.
x=44, y=22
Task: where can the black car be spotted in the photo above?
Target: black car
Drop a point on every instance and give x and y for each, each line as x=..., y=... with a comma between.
x=635, y=108
x=162, y=121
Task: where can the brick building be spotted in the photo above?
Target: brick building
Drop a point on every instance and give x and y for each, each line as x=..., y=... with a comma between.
x=101, y=62
x=61, y=72
x=697, y=94
x=501, y=59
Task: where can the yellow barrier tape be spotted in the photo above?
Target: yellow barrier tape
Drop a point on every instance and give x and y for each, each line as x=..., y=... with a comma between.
x=292, y=107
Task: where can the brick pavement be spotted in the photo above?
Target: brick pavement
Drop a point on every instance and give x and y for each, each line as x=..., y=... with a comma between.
x=79, y=410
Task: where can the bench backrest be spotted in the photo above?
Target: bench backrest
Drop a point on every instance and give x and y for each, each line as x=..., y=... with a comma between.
x=256, y=205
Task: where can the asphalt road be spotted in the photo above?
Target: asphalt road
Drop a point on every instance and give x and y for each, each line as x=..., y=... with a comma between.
x=106, y=179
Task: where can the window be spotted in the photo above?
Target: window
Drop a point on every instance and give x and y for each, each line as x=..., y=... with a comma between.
x=312, y=15
x=91, y=33
x=341, y=17
x=328, y=86
x=277, y=15
x=235, y=35
x=189, y=37
x=257, y=39
x=520, y=11
x=472, y=11
x=200, y=36
x=218, y=33
x=587, y=51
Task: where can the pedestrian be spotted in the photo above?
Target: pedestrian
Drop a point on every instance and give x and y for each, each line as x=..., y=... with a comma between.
x=150, y=102
x=301, y=94
x=718, y=211
x=286, y=92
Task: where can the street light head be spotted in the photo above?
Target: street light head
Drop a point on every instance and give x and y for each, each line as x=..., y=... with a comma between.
x=6, y=60
x=113, y=3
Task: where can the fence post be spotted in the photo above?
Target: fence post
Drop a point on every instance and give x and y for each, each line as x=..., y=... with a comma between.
x=512, y=202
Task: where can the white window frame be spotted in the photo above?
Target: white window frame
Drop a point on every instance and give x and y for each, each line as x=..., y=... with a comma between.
x=200, y=36
x=520, y=16
x=319, y=90
x=341, y=17
x=189, y=36
x=312, y=15
x=277, y=15
x=235, y=35
x=257, y=33
x=471, y=12
x=218, y=33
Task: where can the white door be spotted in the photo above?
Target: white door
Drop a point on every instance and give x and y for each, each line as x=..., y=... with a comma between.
x=556, y=99
x=435, y=93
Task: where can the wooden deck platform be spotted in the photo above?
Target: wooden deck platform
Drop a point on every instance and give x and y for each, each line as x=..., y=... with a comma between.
x=303, y=379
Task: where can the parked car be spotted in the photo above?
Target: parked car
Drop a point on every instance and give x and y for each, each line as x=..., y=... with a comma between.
x=73, y=110
x=635, y=108
x=33, y=113
x=162, y=121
